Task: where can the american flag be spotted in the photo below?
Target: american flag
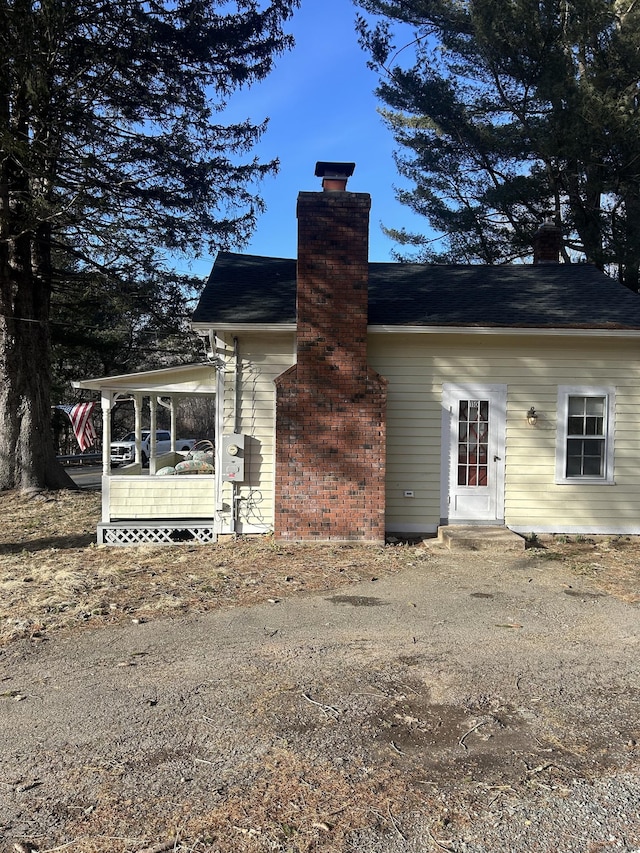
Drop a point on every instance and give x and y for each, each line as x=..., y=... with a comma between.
x=80, y=417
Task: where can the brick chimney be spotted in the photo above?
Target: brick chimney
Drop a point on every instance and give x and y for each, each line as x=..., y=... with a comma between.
x=330, y=406
x=547, y=244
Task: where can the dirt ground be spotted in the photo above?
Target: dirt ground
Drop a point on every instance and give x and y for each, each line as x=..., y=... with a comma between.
x=252, y=696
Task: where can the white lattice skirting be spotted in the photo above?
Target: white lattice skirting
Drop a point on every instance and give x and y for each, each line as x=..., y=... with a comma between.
x=158, y=533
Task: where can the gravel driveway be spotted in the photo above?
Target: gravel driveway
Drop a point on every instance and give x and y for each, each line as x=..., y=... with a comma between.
x=477, y=703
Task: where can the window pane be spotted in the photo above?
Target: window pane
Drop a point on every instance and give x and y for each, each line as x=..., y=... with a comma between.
x=594, y=426
x=576, y=406
x=576, y=426
x=592, y=467
x=595, y=406
x=573, y=466
x=593, y=447
x=574, y=458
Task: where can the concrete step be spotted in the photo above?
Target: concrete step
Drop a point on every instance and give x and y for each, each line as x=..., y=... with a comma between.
x=463, y=537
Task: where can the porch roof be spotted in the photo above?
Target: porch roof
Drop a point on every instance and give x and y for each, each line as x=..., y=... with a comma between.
x=187, y=379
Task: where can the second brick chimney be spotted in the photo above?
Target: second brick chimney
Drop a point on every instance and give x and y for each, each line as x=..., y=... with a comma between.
x=330, y=406
x=547, y=244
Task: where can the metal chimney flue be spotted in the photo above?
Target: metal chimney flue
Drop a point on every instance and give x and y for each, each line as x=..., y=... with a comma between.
x=334, y=175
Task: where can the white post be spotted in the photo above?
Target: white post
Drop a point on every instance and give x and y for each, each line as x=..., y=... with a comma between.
x=137, y=404
x=107, y=399
x=106, y=402
x=153, y=424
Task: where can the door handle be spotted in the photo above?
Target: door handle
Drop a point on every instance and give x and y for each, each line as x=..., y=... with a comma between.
x=496, y=458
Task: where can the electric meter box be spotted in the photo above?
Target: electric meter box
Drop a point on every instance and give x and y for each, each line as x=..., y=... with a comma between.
x=232, y=466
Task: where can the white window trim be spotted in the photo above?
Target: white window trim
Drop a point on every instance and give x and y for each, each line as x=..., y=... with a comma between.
x=564, y=392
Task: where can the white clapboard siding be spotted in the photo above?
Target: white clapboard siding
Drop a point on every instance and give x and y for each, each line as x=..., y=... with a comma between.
x=263, y=357
x=416, y=366
x=180, y=496
x=532, y=368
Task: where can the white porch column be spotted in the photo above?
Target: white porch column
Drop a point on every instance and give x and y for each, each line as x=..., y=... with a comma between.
x=153, y=425
x=106, y=403
x=137, y=405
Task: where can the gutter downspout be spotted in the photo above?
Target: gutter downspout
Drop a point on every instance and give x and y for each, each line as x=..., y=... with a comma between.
x=216, y=347
x=237, y=401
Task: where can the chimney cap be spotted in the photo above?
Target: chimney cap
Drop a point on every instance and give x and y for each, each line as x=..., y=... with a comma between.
x=334, y=170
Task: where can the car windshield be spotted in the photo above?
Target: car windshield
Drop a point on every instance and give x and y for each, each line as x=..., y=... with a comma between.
x=131, y=436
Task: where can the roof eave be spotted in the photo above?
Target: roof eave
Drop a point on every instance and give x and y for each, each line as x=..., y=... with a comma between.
x=573, y=331
x=243, y=327
x=374, y=329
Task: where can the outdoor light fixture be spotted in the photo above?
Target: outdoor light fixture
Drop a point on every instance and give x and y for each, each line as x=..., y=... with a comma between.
x=532, y=417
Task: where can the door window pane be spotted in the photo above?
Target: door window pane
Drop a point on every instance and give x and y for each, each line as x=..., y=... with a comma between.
x=473, y=442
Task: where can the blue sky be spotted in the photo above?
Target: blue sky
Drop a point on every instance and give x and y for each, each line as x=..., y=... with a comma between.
x=321, y=105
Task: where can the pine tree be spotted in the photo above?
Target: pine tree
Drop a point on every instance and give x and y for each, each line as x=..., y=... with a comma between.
x=113, y=159
x=507, y=112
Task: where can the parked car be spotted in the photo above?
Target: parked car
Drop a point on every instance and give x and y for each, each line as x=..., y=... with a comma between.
x=123, y=452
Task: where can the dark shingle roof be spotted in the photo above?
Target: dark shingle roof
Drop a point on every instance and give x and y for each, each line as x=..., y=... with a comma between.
x=250, y=289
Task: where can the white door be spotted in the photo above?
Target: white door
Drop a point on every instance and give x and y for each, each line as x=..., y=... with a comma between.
x=473, y=439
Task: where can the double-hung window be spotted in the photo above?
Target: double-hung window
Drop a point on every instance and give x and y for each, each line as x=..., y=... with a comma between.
x=584, y=451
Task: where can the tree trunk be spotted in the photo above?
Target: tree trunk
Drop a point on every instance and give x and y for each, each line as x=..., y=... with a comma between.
x=586, y=208
x=630, y=250
x=27, y=456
